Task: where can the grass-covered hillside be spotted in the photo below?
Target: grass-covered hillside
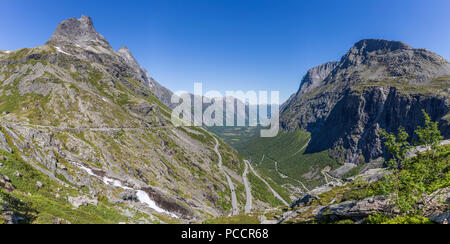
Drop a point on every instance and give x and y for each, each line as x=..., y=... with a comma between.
x=90, y=120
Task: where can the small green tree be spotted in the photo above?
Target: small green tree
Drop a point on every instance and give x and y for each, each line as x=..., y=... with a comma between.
x=398, y=147
x=429, y=136
x=413, y=177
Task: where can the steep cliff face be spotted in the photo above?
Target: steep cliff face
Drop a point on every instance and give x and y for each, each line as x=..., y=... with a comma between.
x=377, y=84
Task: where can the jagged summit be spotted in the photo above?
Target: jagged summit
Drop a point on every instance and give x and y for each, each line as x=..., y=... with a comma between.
x=78, y=32
x=78, y=37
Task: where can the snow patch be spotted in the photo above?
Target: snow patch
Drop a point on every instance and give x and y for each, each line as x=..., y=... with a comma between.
x=115, y=183
x=88, y=170
x=61, y=51
x=144, y=198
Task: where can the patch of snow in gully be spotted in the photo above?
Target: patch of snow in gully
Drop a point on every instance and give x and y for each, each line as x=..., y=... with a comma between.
x=142, y=196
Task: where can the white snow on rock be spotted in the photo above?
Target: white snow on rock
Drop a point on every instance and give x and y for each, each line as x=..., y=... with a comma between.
x=61, y=51
x=142, y=196
x=115, y=183
x=88, y=170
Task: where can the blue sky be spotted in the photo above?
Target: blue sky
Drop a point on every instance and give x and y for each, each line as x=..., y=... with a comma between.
x=234, y=44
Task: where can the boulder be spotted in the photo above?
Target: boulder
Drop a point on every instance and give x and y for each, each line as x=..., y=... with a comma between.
x=9, y=217
x=82, y=201
x=5, y=183
x=39, y=184
x=341, y=171
x=370, y=176
x=304, y=201
x=362, y=208
x=59, y=221
x=129, y=196
x=443, y=218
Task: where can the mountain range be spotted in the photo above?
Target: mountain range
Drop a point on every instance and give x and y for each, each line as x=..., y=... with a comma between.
x=83, y=124
x=86, y=134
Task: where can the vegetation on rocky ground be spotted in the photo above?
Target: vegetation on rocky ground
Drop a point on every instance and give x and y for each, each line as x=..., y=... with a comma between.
x=414, y=174
x=413, y=178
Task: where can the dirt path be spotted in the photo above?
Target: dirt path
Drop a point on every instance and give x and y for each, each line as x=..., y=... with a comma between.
x=301, y=149
x=284, y=176
x=265, y=182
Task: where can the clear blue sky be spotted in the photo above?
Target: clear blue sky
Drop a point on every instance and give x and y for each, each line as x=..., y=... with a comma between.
x=234, y=44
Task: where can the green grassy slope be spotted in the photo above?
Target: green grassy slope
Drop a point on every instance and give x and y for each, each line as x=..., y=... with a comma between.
x=48, y=204
x=288, y=149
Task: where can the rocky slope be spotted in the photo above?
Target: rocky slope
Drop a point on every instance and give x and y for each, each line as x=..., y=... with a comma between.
x=377, y=84
x=93, y=128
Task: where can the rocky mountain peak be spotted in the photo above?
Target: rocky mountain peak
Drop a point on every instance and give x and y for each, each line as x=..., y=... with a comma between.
x=381, y=46
x=78, y=32
x=374, y=59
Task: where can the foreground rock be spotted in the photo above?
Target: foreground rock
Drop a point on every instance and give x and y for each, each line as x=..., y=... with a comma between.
x=6, y=184
x=82, y=201
x=362, y=208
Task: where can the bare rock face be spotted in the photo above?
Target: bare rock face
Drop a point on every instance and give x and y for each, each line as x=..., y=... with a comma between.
x=362, y=208
x=125, y=53
x=316, y=76
x=78, y=32
x=159, y=91
x=4, y=144
x=377, y=84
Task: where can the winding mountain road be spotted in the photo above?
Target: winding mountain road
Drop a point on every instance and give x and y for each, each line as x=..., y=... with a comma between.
x=267, y=184
x=301, y=149
x=249, y=203
x=234, y=202
x=284, y=176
